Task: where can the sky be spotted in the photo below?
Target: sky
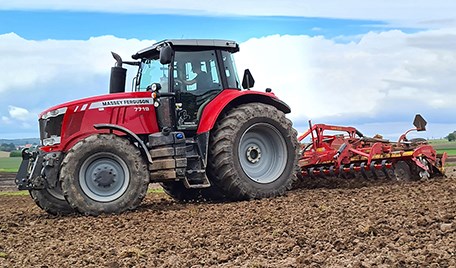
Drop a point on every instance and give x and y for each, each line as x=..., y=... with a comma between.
x=368, y=64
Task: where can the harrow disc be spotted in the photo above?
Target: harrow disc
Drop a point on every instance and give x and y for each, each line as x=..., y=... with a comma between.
x=424, y=174
x=402, y=171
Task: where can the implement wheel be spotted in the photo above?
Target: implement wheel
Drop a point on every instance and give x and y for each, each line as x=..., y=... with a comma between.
x=253, y=152
x=104, y=173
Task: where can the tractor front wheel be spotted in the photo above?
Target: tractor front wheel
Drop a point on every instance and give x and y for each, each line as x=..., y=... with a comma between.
x=104, y=173
x=253, y=152
x=52, y=201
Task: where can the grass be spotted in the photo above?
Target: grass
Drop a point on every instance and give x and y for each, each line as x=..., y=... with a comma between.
x=10, y=164
x=155, y=190
x=15, y=193
x=448, y=151
x=444, y=146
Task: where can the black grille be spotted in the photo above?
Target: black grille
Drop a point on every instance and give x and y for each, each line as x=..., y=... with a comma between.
x=51, y=126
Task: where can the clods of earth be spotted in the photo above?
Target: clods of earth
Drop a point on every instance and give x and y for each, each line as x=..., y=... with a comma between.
x=336, y=224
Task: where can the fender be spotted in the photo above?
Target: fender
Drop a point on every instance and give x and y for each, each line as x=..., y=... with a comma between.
x=232, y=97
x=129, y=133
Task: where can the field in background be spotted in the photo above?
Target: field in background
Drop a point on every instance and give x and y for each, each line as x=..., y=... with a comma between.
x=444, y=146
x=10, y=164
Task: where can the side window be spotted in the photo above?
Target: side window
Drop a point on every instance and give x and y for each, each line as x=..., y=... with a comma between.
x=196, y=71
x=230, y=70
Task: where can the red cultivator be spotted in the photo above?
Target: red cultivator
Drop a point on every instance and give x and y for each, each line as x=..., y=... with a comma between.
x=345, y=152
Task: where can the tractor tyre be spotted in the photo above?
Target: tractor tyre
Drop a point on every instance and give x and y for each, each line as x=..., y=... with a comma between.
x=52, y=201
x=253, y=152
x=104, y=173
x=179, y=192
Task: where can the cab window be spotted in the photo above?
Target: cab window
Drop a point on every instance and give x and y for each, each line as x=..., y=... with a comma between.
x=152, y=71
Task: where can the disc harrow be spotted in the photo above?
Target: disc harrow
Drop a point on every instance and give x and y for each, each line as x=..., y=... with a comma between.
x=344, y=152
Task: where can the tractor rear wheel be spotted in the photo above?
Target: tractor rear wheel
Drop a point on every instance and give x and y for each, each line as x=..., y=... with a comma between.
x=52, y=201
x=104, y=173
x=253, y=152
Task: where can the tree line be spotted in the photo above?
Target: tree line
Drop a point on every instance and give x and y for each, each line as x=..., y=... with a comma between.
x=451, y=136
x=7, y=147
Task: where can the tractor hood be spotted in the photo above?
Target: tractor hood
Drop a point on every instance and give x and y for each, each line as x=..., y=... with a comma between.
x=107, y=100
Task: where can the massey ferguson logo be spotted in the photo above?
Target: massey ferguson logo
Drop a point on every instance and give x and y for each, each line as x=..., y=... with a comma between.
x=121, y=102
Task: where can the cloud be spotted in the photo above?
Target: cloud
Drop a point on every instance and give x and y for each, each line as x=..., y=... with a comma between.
x=19, y=113
x=369, y=80
x=38, y=74
x=383, y=77
x=418, y=13
x=6, y=120
x=27, y=63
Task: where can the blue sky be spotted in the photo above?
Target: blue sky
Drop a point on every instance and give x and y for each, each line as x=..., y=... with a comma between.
x=83, y=25
x=362, y=63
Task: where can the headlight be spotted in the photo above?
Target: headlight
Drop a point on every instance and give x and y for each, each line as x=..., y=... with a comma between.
x=51, y=141
x=54, y=113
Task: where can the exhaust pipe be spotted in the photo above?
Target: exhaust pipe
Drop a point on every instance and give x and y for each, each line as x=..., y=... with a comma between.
x=118, y=76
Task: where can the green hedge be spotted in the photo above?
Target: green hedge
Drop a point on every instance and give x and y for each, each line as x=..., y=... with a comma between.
x=16, y=154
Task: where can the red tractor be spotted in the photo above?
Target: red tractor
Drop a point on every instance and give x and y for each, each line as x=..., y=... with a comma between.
x=187, y=124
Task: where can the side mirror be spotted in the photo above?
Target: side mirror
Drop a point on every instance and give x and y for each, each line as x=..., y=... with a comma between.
x=419, y=123
x=166, y=55
x=247, y=80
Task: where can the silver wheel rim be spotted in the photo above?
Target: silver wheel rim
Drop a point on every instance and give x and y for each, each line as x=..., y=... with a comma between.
x=104, y=177
x=262, y=153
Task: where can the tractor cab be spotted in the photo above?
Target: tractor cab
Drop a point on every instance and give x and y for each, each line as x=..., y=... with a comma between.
x=187, y=75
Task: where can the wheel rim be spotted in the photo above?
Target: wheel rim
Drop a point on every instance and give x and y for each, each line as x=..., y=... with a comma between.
x=104, y=177
x=262, y=153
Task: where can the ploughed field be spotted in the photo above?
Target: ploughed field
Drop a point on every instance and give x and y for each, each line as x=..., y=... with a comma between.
x=337, y=223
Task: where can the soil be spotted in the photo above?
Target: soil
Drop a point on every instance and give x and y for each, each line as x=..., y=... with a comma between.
x=7, y=181
x=346, y=224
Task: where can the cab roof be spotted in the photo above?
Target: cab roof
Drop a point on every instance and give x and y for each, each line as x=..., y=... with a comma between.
x=188, y=45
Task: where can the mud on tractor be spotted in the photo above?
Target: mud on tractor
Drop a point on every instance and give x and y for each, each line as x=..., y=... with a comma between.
x=191, y=125
x=187, y=124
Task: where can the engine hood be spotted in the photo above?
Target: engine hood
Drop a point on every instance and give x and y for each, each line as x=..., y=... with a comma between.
x=117, y=98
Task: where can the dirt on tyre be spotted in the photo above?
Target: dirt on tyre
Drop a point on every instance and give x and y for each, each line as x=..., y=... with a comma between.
x=253, y=152
x=52, y=201
x=104, y=173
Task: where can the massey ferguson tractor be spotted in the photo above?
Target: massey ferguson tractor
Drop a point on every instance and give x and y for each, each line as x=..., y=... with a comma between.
x=189, y=125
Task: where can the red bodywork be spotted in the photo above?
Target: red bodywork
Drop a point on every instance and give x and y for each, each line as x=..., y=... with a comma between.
x=229, y=96
x=119, y=109
x=135, y=111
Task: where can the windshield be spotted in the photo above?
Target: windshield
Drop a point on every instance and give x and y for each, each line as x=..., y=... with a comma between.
x=152, y=71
